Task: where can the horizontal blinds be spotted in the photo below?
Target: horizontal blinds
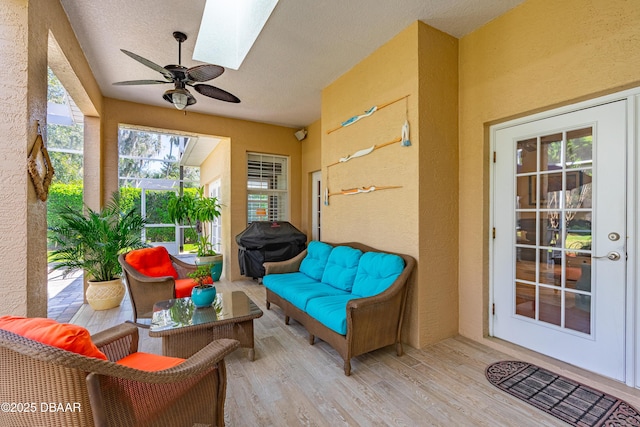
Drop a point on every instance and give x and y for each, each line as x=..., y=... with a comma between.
x=267, y=195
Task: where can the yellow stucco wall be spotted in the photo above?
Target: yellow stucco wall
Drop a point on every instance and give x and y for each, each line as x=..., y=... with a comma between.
x=244, y=136
x=540, y=55
x=420, y=62
x=311, y=148
x=24, y=46
x=438, y=185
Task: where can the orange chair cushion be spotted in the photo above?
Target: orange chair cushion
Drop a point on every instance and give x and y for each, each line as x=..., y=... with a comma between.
x=152, y=262
x=66, y=336
x=149, y=362
x=184, y=286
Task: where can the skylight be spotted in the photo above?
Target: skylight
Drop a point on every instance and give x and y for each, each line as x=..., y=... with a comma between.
x=229, y=29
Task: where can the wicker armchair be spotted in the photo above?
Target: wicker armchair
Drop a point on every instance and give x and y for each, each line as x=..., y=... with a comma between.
x=53, y=387
x=145, y=291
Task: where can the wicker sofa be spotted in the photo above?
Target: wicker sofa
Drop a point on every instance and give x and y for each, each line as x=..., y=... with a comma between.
x=50, y=386
x=350, y=295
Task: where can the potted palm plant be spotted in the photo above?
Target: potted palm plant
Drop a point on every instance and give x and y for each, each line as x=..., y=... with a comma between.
x=198, y=211
x=91, y=241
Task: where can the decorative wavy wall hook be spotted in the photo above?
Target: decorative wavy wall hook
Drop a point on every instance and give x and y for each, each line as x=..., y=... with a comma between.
x=367, y=113
x=363, y=190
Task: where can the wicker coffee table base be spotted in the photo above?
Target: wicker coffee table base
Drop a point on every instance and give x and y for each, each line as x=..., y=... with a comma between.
x=188, y=342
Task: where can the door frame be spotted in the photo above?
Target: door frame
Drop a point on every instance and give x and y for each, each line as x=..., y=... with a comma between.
x=632, y=295
x=316, y=205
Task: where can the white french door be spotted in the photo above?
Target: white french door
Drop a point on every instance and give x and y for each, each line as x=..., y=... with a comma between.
x=559, y=252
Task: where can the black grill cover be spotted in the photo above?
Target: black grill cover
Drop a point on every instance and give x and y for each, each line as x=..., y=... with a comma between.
x=264, y=241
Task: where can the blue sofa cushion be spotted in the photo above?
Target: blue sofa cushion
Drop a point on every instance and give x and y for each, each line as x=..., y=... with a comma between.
x=315, y=261
x=341, y=268
x=376, y=272
x=301, y=294
x=331, y=311
x=276, y=282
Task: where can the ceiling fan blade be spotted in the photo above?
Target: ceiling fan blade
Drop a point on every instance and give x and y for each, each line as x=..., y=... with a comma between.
x=149, y=64
x=217, y=93
x=205, y=72
x=140, y=82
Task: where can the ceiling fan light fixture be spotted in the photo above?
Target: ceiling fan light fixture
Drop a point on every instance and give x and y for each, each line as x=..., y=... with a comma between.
x=180, y=98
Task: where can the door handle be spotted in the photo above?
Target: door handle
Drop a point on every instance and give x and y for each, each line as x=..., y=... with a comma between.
x=613, y=256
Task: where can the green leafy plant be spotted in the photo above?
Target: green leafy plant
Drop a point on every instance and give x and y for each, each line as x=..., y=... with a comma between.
x=92, y=240
x=193, y=209
x=201, y=274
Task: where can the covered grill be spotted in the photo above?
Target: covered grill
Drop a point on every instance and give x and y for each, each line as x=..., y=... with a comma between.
x=264, y=241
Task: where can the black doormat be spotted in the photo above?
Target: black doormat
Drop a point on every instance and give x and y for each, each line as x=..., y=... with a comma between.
x=561, y=397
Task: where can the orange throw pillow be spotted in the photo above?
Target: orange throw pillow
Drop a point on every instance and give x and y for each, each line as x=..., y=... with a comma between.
x=153, y=262
x=149, y=362
x=66, y=336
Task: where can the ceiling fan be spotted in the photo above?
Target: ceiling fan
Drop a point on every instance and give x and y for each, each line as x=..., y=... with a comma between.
x=181, y=77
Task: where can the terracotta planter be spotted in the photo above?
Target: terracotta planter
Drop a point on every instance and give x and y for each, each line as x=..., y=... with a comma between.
x=105, y=295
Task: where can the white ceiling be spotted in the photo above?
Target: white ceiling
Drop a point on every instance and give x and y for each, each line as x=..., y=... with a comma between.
x=304, y=46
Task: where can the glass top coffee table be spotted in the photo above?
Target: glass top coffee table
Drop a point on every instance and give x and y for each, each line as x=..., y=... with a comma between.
x=186, y=329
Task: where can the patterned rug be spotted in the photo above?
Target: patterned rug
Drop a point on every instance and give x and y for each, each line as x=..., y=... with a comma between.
x=561, y=397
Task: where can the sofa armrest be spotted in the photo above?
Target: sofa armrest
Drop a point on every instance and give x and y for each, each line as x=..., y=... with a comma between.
x=118, y=341
x=287, y=266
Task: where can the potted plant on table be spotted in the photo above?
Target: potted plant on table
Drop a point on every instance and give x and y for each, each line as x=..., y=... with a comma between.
x=91, y=241
x=196, y=210
x=203, y=294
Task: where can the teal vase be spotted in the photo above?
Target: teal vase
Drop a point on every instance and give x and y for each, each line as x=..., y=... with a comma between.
x=203, y=296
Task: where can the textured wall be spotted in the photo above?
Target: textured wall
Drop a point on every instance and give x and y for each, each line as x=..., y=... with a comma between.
x=438, y=184
x=420, y=218
x=311, y=149
x=218, y=166
x=539, y=55
x=244, y=137
x=14, y=127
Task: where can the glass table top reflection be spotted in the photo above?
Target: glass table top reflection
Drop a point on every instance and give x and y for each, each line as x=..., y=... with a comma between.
x=182, y=313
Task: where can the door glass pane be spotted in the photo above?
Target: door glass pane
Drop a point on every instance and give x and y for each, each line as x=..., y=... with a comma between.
x=549, y=228
x=578, y=235
x=527, y=159
x=526, y=300
x=550, y=306
x=550, y=269
x=526, y=228
x=578, y=189
x=525, y=192
x=578, y=271
x=550, y=190
x=553, y=232
x=526, y=264
x=551, y=152
x=578, y=312
x=579, y=148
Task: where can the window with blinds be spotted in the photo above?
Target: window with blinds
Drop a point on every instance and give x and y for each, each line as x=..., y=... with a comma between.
x=267, y=188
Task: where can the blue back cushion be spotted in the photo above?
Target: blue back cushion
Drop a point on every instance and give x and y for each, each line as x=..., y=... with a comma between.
x=314, y=263
x=376, y=272
x=341, y=268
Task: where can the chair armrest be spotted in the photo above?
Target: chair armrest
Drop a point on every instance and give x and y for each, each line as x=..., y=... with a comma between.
x=183, y=268
x=118, y=341
x=287, y=266
x=191, y=393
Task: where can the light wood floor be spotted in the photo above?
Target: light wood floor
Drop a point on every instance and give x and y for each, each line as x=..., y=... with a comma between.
x=294, y=384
